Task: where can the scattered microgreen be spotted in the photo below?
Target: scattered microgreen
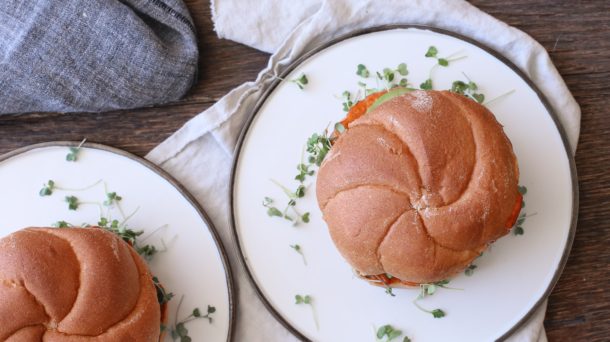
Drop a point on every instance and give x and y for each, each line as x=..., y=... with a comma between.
x=468, y=89
x=47, y=189
x=436, y=313
x=318, y=146
x=61, y=224
x=72, y=202
x=292, y=196
x=147, y=251
x=304, y=171
x=428, y=290
x=179, y=330
x=162, y=295
x=389, y=333
x=426, y=85
x=389, y=76
x=432, y=52
x=297, y=248
x=518, y=227
x=73, y=155
x=442, y=61
x=347, y=101
x=388, y=290
x=300, y=81
x=112, y=197
x=362, y=71
x=308, y=300
x=469, y=271
x=402, y=69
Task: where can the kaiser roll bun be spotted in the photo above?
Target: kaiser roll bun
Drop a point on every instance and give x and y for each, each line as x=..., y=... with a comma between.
x=419, y=187
x=75, y=284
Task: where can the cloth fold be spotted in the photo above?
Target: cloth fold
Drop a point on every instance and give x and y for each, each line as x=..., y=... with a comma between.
x=199, y=155
x=95, y=55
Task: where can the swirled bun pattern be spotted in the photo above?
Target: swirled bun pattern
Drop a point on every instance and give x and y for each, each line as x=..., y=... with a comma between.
x=75, y=284
x=419, y=187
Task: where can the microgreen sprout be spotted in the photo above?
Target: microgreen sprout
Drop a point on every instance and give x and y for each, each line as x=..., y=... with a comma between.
x=318, y=146
x=347, y=101
x=468, y=89
x=73, y=155
x=112, y=197
x=179, y=330
x=62, y=224
x=308, y=300
x=428, y=290
x=51, y=186
x=297, y=248
x=304, y=171
x=362, y=71
x=426, y=85
x=436, y=313
x=72, y=202
x=47, y=189
x=300, y=81
x=162, y=295
x=389, y=76
x=389, y=333
x=518, y=227
x=442, y=61
x=469, y=271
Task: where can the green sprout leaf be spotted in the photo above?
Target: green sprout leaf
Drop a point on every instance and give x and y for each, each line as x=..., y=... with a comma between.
x=388, y=332
x=438, y=313
x=522, y=190
x=72, y=202
x=273, y=211
x=427, y=85
x=301, y=81
x=432, y=52
x=388, y=74
x=402, y=69
x=47, y=189
x=443, y=62
x=73, y=155
x=112, y=197
x=362, y=71
x=305, y=217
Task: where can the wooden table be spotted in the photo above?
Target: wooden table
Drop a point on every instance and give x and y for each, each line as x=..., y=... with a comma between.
x=577, y=35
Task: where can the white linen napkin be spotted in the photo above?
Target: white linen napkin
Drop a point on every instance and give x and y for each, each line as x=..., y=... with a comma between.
x=199, y=155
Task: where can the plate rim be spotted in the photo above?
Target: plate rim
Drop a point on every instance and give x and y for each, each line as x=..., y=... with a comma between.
x=355, y=33
x=172, y=181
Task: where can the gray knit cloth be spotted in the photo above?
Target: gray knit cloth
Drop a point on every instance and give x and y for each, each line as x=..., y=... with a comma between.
x=94, y=55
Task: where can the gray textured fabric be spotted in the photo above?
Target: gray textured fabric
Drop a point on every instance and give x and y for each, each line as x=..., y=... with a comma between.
x=94, y=55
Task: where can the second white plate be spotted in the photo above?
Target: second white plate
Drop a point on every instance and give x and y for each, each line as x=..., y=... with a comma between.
x=512, y=277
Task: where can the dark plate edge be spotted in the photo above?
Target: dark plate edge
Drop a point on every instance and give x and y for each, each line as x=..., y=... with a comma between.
x=192, y=201
x=501, y=58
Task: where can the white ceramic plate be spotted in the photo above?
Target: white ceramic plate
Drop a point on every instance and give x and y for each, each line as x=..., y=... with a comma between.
x=194, y=263
x=511, y=279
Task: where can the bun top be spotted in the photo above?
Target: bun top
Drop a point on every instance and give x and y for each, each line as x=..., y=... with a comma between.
x=418, y=187
x=75, y=284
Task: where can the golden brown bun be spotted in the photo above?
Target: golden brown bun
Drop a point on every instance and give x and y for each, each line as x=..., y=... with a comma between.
x=75, y=284
x=418, y=187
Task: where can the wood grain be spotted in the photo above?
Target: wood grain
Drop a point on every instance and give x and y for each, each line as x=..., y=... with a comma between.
x=577, y=35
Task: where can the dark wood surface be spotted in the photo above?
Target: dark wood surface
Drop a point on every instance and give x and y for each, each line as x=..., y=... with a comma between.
x=577, y=35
